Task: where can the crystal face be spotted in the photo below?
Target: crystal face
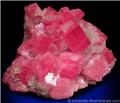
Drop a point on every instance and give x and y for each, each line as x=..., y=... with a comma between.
x=60, y=54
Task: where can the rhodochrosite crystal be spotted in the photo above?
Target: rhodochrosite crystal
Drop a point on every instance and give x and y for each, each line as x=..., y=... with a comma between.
x=60, y=54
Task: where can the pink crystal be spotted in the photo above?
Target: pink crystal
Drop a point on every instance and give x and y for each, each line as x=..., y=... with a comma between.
x=60, y=54
x=75, y=37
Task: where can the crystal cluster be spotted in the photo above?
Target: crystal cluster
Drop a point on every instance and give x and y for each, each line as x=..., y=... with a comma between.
x=60, y=54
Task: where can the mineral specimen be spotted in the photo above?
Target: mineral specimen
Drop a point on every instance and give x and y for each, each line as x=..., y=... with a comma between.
x=60, y=54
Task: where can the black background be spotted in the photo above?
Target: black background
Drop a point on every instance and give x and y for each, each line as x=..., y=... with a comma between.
x=105, y=15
